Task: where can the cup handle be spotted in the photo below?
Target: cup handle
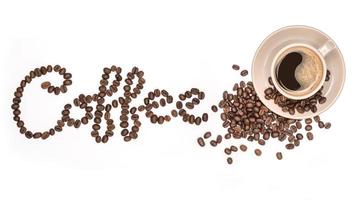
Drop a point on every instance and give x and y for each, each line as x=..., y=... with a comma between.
x=327, y=48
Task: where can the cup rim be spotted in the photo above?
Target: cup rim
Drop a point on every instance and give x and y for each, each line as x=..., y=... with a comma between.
x=273, y=68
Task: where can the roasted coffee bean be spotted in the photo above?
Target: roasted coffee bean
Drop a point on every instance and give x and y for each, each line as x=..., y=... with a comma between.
x=316, y=118
x=195, y=101
x=299, y=136
x=77, y=123
x=45, y=135
x=229, y=160
x=182, y=97
x=261, y=142
x=310, y=136
x=308, y=121
x=201, y=142
x=289, y=146
x=105, y=139
x=213, y=143
x=235, y=67
x=298, y=125
x=207, y=135
x=174, y=113
x=279, y=155
x=321, y=124
x=214, y=108
x=189, y=105
x=244, y=73
x=97, y=139
x=219, y=139
x=167, y=118
x=322, y=100
x=162, y=102
x=308, y=127
x=141, y=108
x=154, y=119
x=37, y=135
x=327, y=125
x=258, y=152
x=227, y=151
x=127, y=138
x=268, y=91
x=243, y=147
x=45, y=85
x=233, y=148
x=197, y=121
x=191, y=119
x=205, y=117
x=160, y=120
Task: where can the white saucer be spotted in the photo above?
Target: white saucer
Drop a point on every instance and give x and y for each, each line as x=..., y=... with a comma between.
x=261, y=66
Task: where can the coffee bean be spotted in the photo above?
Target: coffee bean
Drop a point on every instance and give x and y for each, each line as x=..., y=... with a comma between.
x=37, y=135
x=213, y=143
x=127, y=138
x=227, y=151
x=233, y=148
x=244, y=73
x=308, y=127
x=327, y=125
x=179, y=105
x=310, y=136
x=45, y=85
x=298, y=125
x=160, y=120
x=207, y=135
x=235, y=67
x=321, y=124
x=229, y=160
x=268, y=91
x=162, y=102
x=289, y=146
x=105, y=139
x=316, y=118
x=182, y=97
x=261, y=142
x=205, y=117
x=322, y=100
x=97, y=139
x=243, y=147
x=167, y=118
x=214, y=108
x=201, y=142
x=189, y=105
x=308, y=121
x=299, y=136
x=258, y=152
x=77, y=123
x=279, y=155
x=197, y=120
x=174, y=113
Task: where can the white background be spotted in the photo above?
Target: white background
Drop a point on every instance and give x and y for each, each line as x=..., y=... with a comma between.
x=179, y=45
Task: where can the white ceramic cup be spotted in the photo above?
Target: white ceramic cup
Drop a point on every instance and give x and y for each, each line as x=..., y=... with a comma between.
x=321, y=52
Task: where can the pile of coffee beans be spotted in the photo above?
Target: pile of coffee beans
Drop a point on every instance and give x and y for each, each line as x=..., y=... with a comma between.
x=246, y=119
x=243, y=115
x=291, y=105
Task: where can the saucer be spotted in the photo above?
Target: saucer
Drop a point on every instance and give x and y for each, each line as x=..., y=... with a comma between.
x=262, y=63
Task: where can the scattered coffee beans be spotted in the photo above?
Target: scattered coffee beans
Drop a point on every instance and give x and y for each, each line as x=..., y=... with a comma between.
x=242, y=113
x=245, y=117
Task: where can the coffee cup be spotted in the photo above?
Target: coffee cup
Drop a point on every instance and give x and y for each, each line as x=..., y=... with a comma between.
x=298, y=70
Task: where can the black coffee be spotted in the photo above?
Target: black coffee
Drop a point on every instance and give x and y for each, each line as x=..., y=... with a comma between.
x=286, y=71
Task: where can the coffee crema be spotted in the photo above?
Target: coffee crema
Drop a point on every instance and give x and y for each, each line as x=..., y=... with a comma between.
x=299, y=70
